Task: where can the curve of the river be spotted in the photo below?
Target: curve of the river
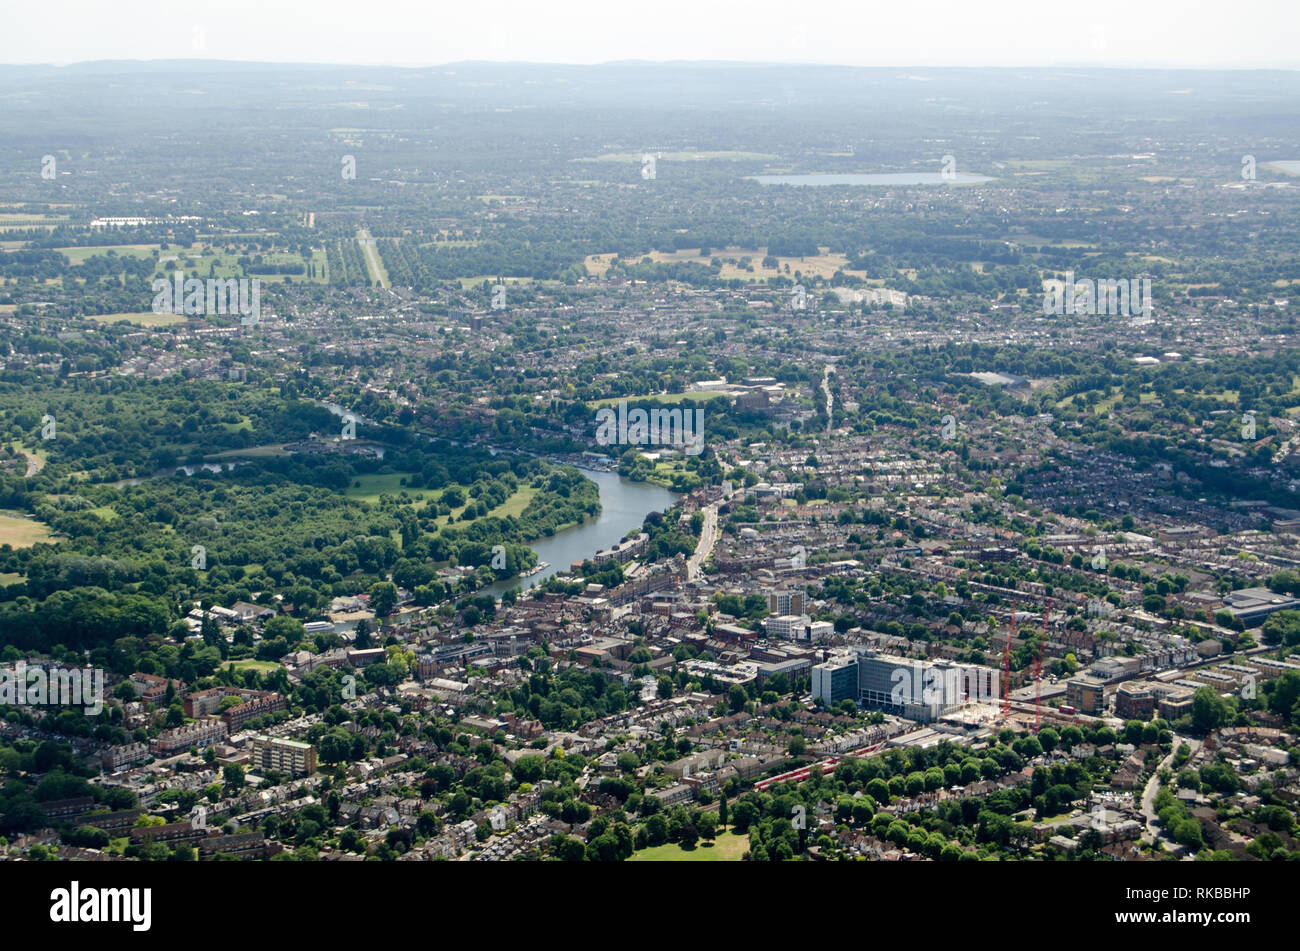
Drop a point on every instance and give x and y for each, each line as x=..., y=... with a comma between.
x=624, y=505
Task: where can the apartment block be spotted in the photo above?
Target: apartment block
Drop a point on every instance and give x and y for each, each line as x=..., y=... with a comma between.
x=1085, y=695
x=1134, y=701
x=785, y=602
x=201, y=733
x=285, y=756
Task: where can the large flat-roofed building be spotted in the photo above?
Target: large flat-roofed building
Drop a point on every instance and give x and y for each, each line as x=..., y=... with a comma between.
x=1269, y=667
x=799, y=628
x=919, y=690
x=734, y=633
x=1183, y=533
x=285, y=756
x=785, y=625
x=741, y=673
x=1251, y=606
x=1172, y=701
x=1134, y=702
x=785, y=602
x=1086, y=695
x=793, y=669
x=367, y=656
x=836, y=680
x=623, y=552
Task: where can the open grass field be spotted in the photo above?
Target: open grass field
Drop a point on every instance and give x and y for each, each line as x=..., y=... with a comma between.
x=261, y=666
x=21, y=532
x=729, y=847
x=514, y=505
x=78, y=255
x=208, y=259
x=664, y=472
x=387, y=483
x=143, y=318
x=252, y=452
x=244, y=423
x=390, y=483
x=478, y=280
x=1116, y=395
x=823, y=265
x=1223, y=396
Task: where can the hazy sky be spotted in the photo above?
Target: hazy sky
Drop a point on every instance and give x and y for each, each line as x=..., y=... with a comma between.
x=1239, y=34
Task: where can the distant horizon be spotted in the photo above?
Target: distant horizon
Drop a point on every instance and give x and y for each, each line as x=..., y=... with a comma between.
x=1109, y=34
x=290, y=64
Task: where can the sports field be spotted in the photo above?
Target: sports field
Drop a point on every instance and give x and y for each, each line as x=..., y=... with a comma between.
x=729, y=847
